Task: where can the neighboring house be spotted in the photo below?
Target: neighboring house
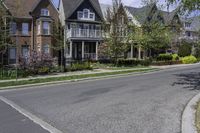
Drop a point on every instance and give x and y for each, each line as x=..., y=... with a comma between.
x=31, y=26
x=146, y=15
x=151, y=13
x=82, y=23
x=191, y=32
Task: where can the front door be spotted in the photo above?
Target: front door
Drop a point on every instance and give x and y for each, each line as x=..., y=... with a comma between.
x=77, y=51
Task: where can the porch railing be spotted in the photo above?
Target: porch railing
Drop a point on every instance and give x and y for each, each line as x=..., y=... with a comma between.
x=84, y=33
x=91, y=56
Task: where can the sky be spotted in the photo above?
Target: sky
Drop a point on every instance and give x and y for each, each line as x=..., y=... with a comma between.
x=134, y=3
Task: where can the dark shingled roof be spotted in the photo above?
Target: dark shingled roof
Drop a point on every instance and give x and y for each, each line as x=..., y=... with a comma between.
x=20, y=8
x=142, y=14
x=71, y=5
x=195, y=23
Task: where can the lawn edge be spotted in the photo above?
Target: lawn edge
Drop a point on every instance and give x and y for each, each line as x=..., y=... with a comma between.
x=80, y=79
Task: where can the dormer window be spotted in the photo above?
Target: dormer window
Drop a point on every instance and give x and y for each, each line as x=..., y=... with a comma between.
x=44, y=12
x=187, y=25
x=86, y=15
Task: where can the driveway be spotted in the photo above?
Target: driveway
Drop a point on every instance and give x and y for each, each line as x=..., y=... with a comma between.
x=149, y=103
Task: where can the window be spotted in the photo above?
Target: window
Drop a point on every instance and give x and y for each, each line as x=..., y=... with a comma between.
x=39, y=29
x=188, y=34
x=86, y=15
x=46, y=49
x=12, y=53
x=13, y=28
x=25, y=51
x=46, y=28
x=25, y=29
x=80, y=15
x=44, y=12
x=92, y=16
x=188, y=25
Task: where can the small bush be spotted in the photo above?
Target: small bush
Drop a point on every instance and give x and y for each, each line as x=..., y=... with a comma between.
x=131, y=62
x=162, y=63
x=175, y=57
x=185, y=50
x=164, y=57
x=189, y=60
x=79, y=66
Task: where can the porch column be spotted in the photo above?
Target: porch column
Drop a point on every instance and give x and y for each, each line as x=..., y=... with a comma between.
x=131, y=51
x=83, y=50
x=97, y=45
x=70, y=53
x=139, y=53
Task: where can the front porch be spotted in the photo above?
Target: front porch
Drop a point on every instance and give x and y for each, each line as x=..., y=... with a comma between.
x=82, y=50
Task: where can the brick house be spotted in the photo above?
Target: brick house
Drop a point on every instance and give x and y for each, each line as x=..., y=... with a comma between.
x=31, y=26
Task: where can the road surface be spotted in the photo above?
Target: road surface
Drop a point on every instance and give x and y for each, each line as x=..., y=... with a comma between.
x=149, y=103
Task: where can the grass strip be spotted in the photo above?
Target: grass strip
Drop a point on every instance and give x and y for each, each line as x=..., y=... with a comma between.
x=73, y=77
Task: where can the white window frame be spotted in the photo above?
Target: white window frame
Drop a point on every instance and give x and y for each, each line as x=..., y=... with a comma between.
x=46, y=49
x=85, y=15
x=12, y=53
x=25, y=51
x=45, y=12
x=46, y=28
x=25, y=28
x=13, y=28
x=39, y=28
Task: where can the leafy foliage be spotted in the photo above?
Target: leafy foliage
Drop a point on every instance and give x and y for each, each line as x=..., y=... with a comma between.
x=36, y=63
x=116, y=30
x=189, y=59
x=164, y=57
x=185, y=49
x=132, y=62
x=187, y=5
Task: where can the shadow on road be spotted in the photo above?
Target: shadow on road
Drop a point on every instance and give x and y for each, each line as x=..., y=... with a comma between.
x=188, y=80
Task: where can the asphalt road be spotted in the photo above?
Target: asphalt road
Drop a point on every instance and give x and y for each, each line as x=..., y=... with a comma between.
x=150, y=103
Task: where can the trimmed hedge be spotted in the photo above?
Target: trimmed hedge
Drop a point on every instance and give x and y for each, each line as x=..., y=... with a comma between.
x=189, y=60
x=164, y=57
x=162, y=63
x=132, y=62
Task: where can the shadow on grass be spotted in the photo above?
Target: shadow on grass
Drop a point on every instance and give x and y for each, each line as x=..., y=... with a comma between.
x=188, y=80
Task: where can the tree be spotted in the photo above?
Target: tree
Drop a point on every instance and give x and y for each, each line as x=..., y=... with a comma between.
x=187, y=5
x=116, y=30
x=58, y=46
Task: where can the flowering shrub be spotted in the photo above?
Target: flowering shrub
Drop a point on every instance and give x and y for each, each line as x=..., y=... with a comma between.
x=36, y=63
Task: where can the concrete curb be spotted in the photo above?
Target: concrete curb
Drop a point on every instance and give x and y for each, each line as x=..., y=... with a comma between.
x=188, y=116
x=76, y=80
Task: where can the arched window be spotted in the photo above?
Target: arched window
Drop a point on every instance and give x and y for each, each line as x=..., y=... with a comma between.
x=86, y=13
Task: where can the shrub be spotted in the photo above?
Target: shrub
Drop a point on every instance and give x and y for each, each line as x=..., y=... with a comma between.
x=189, y=60
x=79, y=66
x=164, y=57
x=197, y=52
x=162, y=63
x=43, y=70
x=185, y=50
x=175, y=57
x=131, y=62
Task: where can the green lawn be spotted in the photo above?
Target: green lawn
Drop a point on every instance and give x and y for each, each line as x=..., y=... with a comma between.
x=52, y=79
